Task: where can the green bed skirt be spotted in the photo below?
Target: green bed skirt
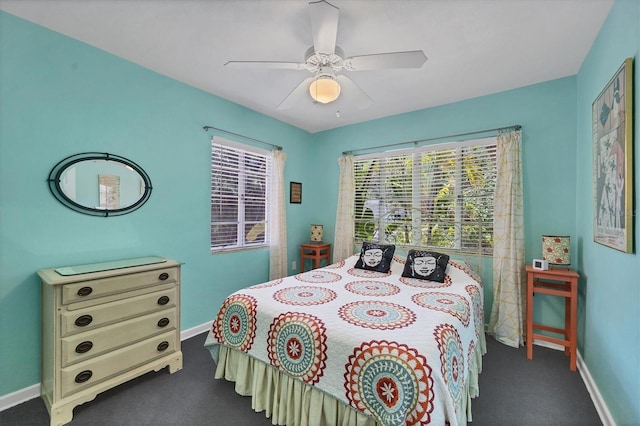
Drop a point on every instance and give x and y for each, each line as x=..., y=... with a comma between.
x=291, y=402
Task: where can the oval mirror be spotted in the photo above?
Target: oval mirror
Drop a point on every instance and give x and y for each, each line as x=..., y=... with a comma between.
x=99, y=184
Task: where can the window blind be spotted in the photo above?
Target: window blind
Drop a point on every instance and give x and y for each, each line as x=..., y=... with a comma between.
x=432, y=196
x=240, y=182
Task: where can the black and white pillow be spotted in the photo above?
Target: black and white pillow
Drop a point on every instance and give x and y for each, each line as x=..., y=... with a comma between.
x=425, y=265
x=375, y=257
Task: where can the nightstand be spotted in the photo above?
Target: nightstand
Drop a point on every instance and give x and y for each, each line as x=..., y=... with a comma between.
x=557, y=282
x=316, y=252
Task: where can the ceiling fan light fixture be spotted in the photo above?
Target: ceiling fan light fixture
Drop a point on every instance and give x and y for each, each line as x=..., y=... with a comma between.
x=324, y=89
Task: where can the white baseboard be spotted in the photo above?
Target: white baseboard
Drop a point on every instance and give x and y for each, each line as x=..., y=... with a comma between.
x=33, y=391
x=549, y=345
x=194, y=331
x=596, y=397
x=19, y=396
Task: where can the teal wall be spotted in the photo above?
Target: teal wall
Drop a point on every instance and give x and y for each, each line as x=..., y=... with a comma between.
x=610, y=291
x=59, y=97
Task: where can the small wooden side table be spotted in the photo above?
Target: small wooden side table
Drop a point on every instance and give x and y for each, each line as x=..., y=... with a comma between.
x=558, y=282
x=316, y=252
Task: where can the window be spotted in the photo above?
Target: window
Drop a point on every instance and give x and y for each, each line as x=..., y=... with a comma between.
x=438, y=196
x=240, y=182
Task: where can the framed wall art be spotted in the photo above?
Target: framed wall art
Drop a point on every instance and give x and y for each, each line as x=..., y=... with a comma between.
x=295, y=193
x=612, y=120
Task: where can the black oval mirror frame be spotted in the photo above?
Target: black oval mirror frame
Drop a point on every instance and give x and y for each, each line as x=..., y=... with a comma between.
x=55, y=179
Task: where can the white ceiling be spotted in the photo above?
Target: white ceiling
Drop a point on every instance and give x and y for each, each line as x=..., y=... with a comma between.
x=474, y=47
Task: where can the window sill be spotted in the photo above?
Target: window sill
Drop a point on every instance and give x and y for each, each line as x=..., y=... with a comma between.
x=237, y=249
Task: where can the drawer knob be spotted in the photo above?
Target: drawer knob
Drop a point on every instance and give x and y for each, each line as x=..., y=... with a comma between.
x=84, y=320
x=163, y=300
x=85, y=291
x=163, y=346
x=84, y=347
x=83, y=376
x=163, y=276
x=163, y=322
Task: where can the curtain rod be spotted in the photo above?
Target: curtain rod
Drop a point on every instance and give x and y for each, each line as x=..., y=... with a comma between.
x=415, y=142
x=277, y=147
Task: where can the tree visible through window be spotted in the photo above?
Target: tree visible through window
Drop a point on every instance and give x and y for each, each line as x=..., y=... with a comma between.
x=435, y=196
x=240, y=178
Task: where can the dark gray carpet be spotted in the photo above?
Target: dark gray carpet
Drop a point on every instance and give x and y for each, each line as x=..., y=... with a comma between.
x=540, y=391
x=513, y=391
x=190, y=397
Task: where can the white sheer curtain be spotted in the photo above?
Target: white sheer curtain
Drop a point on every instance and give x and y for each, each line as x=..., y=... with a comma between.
x=507, y=313
x=343, y=235
x=278, y=219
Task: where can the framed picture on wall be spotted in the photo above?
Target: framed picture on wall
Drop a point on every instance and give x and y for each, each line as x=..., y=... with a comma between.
x=612, y=121
x=295, y=193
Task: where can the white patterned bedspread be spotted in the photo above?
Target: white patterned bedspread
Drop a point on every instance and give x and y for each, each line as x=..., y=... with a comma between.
x=398, y=349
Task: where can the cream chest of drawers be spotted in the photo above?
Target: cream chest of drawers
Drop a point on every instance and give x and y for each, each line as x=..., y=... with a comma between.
x=101, y=328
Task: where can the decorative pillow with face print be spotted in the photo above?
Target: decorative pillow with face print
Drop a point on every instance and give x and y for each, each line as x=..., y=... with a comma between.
x=375, y=257
x=425, y=265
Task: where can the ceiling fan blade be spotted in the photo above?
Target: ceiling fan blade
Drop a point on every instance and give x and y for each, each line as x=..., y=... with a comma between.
x=265, y=65
x=412, y=59
x=324, y=25
x=295, y=94
x=352, y=92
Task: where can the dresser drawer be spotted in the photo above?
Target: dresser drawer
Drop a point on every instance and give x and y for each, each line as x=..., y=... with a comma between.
x=96, y=370
x=86, y=319
x=88, y=290
x=82, y=346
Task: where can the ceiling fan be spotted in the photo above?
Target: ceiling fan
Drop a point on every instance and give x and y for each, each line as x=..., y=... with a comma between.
x=325, y=60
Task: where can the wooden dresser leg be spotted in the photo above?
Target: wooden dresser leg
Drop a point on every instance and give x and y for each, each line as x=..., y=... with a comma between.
x=62, y=415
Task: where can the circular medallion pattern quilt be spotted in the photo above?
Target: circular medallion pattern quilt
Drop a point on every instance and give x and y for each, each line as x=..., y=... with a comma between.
x=451, y=359
x=372, y=288
x=304, y=295
x=297, y=344
x=318, y=276
x=377, y=314
x=478, y=311
x=451, y=303
x=391, y=382
x=416, y=282
x=235, y=324
x=364, y=273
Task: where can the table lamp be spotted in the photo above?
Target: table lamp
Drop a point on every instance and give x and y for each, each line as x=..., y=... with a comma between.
x=556, y=249
x=316, y=233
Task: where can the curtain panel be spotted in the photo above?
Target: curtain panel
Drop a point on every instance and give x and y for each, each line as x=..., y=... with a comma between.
x=278, y=220
x=344, y=230
x=507, y=313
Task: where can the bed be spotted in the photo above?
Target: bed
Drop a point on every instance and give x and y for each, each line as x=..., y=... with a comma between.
x=343, y=345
